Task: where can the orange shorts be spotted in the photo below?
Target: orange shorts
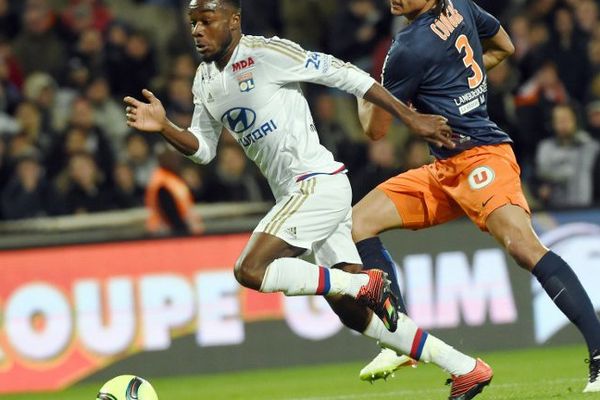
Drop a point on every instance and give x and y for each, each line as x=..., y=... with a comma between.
x=475, y=182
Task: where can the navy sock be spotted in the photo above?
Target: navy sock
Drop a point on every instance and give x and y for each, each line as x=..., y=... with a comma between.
x=564, y=288
x=375, y=256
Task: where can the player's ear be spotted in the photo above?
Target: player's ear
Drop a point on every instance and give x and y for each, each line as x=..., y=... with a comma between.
x=235, y=22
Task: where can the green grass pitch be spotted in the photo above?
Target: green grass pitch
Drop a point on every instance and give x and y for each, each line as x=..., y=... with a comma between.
x=543, y=373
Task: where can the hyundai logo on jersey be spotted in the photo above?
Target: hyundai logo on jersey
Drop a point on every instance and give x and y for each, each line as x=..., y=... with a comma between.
x=258, y=133
x=239, y=119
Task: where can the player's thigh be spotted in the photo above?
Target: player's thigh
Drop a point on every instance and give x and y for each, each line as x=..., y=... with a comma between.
x=489, y=179
x=338, y=248
x=412, y=200
x=511, y=226
x=312, y=213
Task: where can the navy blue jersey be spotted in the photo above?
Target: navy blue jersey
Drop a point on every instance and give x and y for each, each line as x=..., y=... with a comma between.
x=436, y=63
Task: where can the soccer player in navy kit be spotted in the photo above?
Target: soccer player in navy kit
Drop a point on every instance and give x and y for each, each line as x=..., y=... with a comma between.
x=438, y=63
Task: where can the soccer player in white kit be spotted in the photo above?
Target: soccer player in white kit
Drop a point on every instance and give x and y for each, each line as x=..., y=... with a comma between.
x=249, y=86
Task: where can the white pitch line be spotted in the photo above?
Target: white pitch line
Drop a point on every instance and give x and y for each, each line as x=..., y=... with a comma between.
x=431, y=391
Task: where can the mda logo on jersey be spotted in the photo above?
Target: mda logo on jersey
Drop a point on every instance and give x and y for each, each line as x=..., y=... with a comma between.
x=239, y=119
x=240, y=65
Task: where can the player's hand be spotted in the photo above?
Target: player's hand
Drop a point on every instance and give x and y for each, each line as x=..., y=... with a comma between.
x=433, y=129
x=148, y=117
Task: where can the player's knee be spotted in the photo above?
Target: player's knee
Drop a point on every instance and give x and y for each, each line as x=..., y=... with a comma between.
x=362, y=227
x=249, y=272
x=523, y=247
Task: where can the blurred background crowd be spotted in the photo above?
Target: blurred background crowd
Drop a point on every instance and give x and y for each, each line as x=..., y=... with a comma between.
x=65, y=65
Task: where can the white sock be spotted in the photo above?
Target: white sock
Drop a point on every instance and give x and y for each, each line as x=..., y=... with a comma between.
x=296, y=277
x=411, y=340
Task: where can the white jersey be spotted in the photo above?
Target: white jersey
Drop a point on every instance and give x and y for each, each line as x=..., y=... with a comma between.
x=257, y=98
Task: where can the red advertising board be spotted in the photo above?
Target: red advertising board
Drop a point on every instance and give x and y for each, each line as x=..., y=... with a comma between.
x=69, y=311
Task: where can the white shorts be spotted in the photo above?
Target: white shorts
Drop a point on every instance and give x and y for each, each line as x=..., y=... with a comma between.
x=316, y=217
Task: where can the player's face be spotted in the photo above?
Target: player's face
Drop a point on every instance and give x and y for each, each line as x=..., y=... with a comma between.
x=408, y=8
x=213, y=25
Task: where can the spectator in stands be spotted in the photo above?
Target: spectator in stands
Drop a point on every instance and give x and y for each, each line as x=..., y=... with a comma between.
x=382, y=164
x=9, y=92
x=137, y=55
x=416, y=154
x=586, y=13
x=534, y=53
x=502, y=81
x=53, y=102
x=178, y=96
x=29, y=118
x=263, y=18
x=317, y=14
x=138, y=154
x=234, y=179
x=184, y=67
x=194, y=177
x=534, y=103
x=127, y=193
x=520, y=28
x=38, y=47
x=108, y=114
x=81, y=15
x=333, y=135
x=569, y=52
x=356, y=30
x=26, y=194
x=87, y=190
x=169, y=200
x=89, y=52
x=593, y=119
x=565, y=162
x=14, y=72
x=83, y=117
x=9, y=20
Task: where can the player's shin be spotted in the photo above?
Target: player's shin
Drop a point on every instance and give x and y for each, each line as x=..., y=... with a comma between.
x=374, y=255
x=420, y=345
x=564, y=288
x=296, y=277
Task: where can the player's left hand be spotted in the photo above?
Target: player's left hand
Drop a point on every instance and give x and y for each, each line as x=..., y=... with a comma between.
x=433, y=129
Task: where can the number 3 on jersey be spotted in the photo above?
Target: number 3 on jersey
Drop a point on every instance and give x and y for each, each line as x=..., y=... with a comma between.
x=463, y=43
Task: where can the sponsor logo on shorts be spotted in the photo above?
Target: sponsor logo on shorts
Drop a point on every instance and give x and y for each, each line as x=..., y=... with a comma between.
x=481, y=177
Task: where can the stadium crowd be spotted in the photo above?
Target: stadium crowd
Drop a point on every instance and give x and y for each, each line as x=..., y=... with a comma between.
x=65, y=65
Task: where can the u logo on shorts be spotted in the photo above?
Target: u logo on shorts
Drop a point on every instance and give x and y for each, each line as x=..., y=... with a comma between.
x=481, y=177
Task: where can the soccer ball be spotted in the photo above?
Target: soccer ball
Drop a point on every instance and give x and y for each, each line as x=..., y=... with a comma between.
x=127, y=387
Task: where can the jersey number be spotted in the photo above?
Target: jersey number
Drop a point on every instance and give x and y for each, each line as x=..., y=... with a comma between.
x=463, y=43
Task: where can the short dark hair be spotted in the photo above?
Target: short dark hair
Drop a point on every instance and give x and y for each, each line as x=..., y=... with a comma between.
x=441, y=7
x=237, y=4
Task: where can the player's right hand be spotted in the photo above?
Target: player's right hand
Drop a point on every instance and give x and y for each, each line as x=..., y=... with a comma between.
x=434, y=129
x=148, y=117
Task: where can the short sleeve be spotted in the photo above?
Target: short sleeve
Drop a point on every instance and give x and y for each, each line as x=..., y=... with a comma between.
x=487, y=24
x=402, y=72
x=289, y=63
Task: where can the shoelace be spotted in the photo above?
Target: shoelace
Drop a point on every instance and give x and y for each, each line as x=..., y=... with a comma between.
x=594, y=367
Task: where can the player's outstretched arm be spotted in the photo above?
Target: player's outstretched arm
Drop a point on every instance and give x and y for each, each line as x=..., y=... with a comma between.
x=151, y=117
x=377, y=117
x=496, y=49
